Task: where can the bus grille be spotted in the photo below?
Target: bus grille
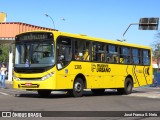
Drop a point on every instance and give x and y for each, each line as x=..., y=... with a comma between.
x=29, y=70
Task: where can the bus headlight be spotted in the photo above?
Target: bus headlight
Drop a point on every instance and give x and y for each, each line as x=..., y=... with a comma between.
x=47, y=76
x=16, y=78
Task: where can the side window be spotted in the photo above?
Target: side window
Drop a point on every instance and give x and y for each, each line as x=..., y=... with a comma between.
x=94, y=49
x=98, y=52
x=64, y=52
x=146, y=57
x=76, y=50
x=86, y=51
x=112, y=54
x=125, y=55
x=135, y=56
x=82, y=50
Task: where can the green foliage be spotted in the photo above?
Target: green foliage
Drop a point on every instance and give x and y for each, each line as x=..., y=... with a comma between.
x=156, y=49
x=5, y=52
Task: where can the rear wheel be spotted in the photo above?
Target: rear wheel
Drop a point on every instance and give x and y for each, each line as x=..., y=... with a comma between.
x=44, y=93
x=128, y=85
x=98, y=91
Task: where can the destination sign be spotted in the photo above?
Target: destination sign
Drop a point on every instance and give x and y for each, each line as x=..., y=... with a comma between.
x=35, y=36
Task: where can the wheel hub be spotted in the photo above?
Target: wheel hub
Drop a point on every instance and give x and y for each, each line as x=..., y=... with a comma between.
x=78, y=87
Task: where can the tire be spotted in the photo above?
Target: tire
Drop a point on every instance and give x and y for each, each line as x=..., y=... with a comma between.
x=128, y=86
x=98, y=91
x=78, y=87
x=44, y=93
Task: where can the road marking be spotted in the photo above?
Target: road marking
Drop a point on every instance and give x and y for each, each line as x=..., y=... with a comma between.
x=3, y=93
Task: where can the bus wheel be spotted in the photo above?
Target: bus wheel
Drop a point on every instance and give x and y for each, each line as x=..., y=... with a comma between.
x=98, y=91
x=78, y=88
x=44, y=93
x=127, y=87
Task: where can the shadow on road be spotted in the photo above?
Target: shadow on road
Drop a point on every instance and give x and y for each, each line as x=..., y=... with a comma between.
x=64, y=95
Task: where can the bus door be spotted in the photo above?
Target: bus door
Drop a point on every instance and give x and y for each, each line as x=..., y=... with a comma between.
x=63, y=59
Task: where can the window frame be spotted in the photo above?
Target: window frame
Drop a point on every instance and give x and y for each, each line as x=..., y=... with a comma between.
x=82, y=51
x=57, y=54
x=105, y=51
x=98, y=52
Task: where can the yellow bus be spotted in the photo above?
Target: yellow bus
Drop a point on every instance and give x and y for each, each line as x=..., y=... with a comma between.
x=48, y=61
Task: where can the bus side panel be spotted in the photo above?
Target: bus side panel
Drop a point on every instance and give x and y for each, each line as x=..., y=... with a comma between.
x=131, y=71
x=97, y=78
x=100, y=75
x=148, y=74
x=142, y=75
x=120, y=74
x=106, y=75
x=66, y=76
x=64, y=80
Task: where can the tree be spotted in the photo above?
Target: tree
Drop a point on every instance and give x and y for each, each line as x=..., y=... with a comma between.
x=5, y=52
x=156, y=49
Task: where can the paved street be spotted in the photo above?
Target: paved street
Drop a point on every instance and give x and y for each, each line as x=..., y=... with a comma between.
x=142, y=99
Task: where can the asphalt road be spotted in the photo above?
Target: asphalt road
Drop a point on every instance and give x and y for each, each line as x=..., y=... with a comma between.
x=142, y=99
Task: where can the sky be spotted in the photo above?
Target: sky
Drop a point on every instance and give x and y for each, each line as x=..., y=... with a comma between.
x=106, y=19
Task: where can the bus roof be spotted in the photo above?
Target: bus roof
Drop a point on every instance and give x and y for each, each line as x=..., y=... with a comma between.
x=82, y=36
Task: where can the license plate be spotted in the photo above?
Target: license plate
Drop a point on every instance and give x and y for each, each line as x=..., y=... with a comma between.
x=28, y=84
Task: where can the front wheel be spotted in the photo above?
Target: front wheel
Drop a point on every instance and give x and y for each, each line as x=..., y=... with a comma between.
x=44, y=93
x=78, y=87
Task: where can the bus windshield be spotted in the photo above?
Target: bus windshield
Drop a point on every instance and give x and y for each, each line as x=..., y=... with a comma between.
x=35, y=54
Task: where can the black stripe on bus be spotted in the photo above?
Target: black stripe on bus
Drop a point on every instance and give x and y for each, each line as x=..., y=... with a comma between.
x=144, y=72
x=134, y=74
